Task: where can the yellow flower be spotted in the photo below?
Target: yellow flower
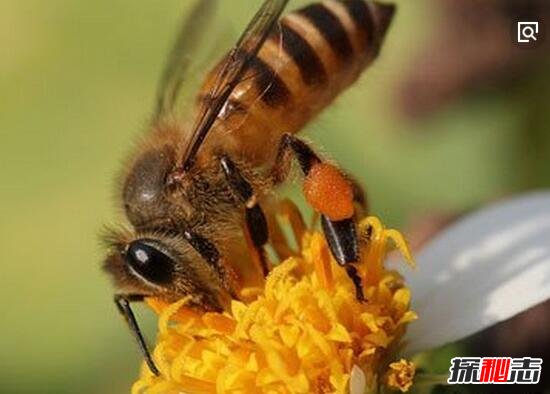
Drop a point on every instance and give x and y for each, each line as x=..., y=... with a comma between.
x=400, y=375
x=304, y=333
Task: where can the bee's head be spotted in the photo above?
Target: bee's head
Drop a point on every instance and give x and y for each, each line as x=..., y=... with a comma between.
x=159, y=265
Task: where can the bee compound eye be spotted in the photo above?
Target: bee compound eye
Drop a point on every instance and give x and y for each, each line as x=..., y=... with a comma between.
x=149, y=262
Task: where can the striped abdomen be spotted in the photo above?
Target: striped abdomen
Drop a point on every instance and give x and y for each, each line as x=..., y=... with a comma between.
x=314, y=54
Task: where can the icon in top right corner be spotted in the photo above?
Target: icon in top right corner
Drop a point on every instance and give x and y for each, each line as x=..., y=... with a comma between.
x=527, y=31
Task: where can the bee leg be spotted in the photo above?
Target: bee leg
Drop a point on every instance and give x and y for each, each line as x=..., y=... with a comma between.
x=357, y=282
x=212, y=256
x=337, y=209
x=123, y=305
x=343, y=242
x=256, y=223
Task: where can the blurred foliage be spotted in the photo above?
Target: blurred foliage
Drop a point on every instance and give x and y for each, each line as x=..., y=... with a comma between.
x=77, y=81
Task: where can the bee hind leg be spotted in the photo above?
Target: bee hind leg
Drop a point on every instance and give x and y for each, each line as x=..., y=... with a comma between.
x=256, y=230
x=331, y=194
x=123, y=305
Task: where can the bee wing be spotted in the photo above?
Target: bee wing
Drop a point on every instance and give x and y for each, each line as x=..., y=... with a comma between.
x=182, y=54
x=230, y=74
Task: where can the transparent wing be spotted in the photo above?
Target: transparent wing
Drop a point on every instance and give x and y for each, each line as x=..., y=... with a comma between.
x=182, y=55
x=230, y=74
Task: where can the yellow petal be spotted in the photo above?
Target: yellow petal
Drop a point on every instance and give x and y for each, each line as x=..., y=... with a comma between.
x=339, y=333
x=303, y=331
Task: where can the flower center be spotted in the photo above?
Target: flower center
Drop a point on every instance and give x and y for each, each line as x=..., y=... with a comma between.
x=305, y=332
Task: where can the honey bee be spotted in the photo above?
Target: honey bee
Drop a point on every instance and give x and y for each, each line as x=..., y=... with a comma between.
x=193, y=194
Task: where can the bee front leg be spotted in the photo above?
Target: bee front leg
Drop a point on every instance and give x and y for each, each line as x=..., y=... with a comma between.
x=256, y=223
x=123, y=305
x=209, y=253
x=331, y=194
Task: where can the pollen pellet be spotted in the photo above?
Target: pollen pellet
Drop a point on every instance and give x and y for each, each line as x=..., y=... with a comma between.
x=329, y=192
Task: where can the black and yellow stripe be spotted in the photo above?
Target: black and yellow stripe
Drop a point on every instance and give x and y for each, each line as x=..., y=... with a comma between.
x=311, y=56
x=362, y=17
x=331, y=28
x=302, y=53
x=273, y=90
x=348, y=28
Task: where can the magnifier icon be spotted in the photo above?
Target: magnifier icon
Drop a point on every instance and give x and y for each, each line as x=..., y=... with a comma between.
x=527, y=31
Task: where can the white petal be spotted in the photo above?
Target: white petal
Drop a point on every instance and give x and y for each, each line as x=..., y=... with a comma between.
x=486, y=268
x=357, y=381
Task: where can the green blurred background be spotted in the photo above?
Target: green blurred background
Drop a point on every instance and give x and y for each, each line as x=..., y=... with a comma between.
x=77, y=82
